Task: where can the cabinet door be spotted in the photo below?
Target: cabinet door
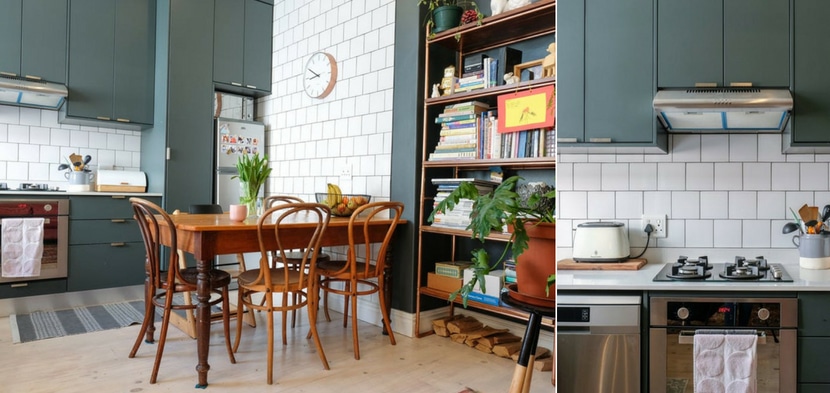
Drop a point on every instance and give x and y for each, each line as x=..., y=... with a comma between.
x=811, y=81
x=43, y=52
x=258, y=26
x=619, y=71
x=97, y=266
x=689, y=42
x=10, y=36
x=756, y=42
x=570, y=48
x=228, y=38
x=135, y=46
x=91, y=44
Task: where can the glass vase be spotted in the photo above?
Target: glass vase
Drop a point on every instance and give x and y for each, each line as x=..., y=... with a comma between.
x=251, y=196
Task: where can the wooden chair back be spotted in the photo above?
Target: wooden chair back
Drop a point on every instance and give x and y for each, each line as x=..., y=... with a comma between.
x=375, y=262
x=147, y=214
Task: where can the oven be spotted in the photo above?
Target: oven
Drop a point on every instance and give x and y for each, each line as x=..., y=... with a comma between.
x=55, y=213
x=674, y=321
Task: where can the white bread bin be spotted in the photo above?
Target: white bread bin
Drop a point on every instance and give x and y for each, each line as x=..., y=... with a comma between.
x=121, y=181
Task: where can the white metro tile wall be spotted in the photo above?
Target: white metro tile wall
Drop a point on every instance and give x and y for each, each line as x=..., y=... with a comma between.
x=33, y=144
x=311, y=141
x=718, y=191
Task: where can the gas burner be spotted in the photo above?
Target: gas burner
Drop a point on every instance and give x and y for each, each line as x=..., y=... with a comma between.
x=760, y=262
x=700, y=261
x=33, y=187
x=741, y=272
x=689, y=272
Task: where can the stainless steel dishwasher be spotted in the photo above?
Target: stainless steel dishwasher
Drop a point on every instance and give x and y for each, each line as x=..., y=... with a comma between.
x=598, y=344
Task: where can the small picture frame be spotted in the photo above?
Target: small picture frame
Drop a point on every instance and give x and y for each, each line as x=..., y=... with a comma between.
x=529, y=70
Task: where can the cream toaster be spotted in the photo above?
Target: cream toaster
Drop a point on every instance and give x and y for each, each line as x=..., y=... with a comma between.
x=602, y=241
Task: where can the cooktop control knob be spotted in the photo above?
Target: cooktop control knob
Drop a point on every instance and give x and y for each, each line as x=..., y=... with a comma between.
x=776, y=273
x=763, y=314
x=683, y=313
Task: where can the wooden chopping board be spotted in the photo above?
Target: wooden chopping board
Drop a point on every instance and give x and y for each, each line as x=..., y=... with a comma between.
x=631, y=264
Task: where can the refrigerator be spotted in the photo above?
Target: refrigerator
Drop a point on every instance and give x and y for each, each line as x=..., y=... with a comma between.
x=234, y=137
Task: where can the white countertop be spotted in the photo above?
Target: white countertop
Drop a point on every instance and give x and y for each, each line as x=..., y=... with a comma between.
x=24, y=194
x=803, y=280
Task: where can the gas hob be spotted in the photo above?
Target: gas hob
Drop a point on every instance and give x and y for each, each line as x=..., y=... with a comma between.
x=740, y=270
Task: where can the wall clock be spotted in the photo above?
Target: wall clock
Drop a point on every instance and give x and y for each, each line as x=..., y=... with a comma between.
x=320, y=75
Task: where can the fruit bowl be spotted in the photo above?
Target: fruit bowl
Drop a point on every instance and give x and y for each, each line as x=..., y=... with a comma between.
x=342, y=205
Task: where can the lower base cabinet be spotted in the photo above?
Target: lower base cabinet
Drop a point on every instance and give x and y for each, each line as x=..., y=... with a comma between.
x=813, y=341
x=32, y=288
x=97, y=266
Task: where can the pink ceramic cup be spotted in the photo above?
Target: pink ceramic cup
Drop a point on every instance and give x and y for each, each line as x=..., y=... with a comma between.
x=238, y=212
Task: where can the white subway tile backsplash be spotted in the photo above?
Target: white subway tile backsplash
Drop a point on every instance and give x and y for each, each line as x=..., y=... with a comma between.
x=657, y=202
x=700, y=176
x=671, y=176
x=587, y=177
x=699, y=233
x=28, y=153
x=743, y=147
x=756, y=234
x=9, y=114
x=614, y=176
x=714, y=148
x=629, y=205
x=18, y=133
x=772, y=205
x=727, y=233
x=757, y=176
x=642, y=176
x=813, y=176
x=675, y=234
x=743, y=205
x=685, y=204
x=686, y=148
x=601, y=205
x=30, y=116
x=785, y=176
x=779, y=239
x=572, y=204
x=769, y=148
x=714, y=204
x=728, y=176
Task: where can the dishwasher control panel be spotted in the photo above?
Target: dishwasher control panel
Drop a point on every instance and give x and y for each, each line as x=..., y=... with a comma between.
x=573, y=314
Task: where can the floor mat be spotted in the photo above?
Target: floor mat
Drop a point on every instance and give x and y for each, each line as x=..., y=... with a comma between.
x=676, y=385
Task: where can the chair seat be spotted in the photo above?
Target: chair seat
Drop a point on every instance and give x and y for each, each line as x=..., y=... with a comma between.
x=277, y=277
x=218, y=278
x=329, y=268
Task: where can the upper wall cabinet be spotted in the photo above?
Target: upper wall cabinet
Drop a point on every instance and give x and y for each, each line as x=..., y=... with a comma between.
x=723, y=42
x=242, y=46
x=604, y=104
x=33, y=39
x=111, y=63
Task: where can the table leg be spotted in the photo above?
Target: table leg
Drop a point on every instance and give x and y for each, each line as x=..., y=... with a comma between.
x=203, y=320
x=387, y=287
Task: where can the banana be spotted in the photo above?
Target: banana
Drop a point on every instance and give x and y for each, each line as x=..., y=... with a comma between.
x=334, y=194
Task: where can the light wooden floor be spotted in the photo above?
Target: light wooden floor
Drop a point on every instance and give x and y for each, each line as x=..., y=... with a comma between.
x=97, y=362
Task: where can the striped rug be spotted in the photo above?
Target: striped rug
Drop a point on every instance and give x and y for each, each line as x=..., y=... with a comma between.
x=48, y=324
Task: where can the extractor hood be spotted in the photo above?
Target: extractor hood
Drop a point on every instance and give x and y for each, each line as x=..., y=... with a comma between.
x=31, y=93
x=723, y=110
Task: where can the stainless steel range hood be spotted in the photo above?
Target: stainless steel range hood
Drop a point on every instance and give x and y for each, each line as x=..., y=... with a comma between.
x=31, y=93
x=724, y=110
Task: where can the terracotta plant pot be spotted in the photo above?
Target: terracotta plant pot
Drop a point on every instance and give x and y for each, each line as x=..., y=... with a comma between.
x=537, y=262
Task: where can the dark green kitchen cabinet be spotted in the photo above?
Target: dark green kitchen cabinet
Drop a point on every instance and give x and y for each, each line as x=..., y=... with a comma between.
x=105, y=245
x=605, y=47
x=813, y=341
x=242, y=46
x=33, y=39
x=111, y=63
x=723, y=42
x=807, y=132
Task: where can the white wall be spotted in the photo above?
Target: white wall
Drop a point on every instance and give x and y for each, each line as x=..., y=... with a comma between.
x=33, y=144
x=311, y=140
x=724, y=195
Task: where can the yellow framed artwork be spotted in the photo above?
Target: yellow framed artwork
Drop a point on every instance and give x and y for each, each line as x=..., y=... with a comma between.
x=527, y=110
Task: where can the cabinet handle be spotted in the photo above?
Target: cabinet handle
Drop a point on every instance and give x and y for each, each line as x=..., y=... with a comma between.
x=118, y=221
x=706, y=84
x=119, y=197
x=740, y=84
x=103, y=118
x=6, y=73
x=566, y=140
x=21, y=285
x=251, y=86
x=122, y=120
x=236, y=84
x=599, y=140
x=33, y=77
x=117, y=244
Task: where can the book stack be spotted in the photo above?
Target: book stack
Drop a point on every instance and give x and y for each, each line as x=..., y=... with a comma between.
x=540, y=142
x=459, y=216
x=509, y=271
x=459, y=131
x=479, y=74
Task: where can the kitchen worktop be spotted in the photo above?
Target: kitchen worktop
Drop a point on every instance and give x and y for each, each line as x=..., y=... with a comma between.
x=24, y=194
x=803, y=280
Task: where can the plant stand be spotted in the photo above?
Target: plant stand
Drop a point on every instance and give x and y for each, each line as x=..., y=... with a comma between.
x=524, y=367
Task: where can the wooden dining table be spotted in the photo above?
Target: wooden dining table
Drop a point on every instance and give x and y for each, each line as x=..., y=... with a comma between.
x=207, y=235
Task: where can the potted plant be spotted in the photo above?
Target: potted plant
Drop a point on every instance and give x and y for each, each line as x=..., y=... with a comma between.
x=252, y=171
x=447, y=14
x=528, y=213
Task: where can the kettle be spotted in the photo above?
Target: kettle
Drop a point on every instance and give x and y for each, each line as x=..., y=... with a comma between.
x=601, y=241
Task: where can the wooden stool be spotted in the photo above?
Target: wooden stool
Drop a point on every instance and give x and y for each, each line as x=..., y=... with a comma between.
x=524, y=367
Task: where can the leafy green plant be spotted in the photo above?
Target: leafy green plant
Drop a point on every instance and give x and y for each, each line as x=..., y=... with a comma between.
x=503, y=207
x=431, y=5
x=252, y=171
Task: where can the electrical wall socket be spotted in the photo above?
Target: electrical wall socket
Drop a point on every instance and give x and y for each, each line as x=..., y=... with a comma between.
x=346, y=173
x=658, y=222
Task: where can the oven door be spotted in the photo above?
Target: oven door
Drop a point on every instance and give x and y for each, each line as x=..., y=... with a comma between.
x=53, y=264
x=671, y=360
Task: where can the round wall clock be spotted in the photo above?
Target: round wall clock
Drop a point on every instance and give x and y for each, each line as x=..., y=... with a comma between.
x=320, y=75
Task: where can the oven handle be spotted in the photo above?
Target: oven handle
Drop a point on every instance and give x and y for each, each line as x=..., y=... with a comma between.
x=688, y=336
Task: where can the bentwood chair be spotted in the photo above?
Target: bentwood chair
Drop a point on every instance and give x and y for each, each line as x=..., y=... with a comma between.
x=361, y=273
x=161, y=286
x=281, y=278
